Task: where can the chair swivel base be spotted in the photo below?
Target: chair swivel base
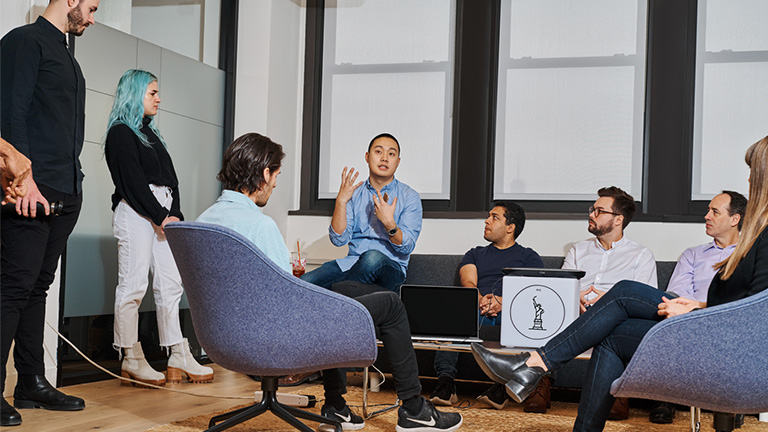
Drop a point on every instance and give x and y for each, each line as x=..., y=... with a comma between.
x=269, y=403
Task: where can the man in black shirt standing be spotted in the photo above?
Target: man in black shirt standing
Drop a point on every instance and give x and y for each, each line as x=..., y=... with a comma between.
x=42, y=113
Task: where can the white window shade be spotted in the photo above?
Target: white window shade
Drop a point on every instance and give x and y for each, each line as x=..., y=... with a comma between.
x=731, y=110
x=570, y=99
x=387, y=67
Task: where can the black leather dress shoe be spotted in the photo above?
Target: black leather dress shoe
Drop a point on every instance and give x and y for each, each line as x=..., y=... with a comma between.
x=34, y=391
x=662, y=413
x=523, y=382
x=498, y=367
x=8, y=415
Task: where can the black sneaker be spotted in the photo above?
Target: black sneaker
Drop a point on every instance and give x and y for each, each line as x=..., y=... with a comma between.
x=428, y=420
x=495, y=396
x=348, y=419
x=444, y=393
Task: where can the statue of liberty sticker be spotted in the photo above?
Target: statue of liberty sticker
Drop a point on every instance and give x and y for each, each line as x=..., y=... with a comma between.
x=537, y=312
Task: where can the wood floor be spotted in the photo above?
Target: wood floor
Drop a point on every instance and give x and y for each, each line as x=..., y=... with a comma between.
x=112, y=407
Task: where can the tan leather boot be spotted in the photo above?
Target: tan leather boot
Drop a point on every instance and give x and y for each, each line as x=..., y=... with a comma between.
x=182, y=361
x=135, y=366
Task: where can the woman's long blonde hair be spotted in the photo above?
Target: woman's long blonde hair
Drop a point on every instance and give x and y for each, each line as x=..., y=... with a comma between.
x=756, y=215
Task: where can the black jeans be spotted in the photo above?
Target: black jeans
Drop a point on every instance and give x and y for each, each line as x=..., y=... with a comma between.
x=391, y=323
x=30, y=251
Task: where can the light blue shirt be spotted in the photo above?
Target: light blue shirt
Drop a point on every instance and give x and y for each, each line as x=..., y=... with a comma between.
x=693, y=273
x=239, y=213
x=365, y=232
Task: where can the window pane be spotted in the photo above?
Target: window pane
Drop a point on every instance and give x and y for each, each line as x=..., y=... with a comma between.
x=387, y=67
x=410, y=107
x=733, y=114
x=564, y=28
x=392, y=31
x=585, y=142
x=570, y=99
x=731, y=101
x=736, y=25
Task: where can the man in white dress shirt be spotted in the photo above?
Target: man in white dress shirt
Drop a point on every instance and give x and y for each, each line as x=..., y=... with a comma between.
x=608, y=258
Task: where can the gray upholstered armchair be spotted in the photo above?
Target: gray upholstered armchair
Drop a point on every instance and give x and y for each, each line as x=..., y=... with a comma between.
x=714, y=359
x=252, y=317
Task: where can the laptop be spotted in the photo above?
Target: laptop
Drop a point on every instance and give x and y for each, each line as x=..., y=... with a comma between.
x=441, y=313
x=544, y=272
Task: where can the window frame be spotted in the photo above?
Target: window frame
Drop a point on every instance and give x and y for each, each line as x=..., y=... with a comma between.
x=668, y=118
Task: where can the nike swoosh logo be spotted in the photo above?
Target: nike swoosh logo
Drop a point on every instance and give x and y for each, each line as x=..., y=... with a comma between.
x=346, y=419
x=431, y=421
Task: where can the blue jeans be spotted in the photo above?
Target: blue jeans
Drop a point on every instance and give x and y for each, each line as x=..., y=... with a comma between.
x=373, y=267
x=446, y=361
x=614, y=327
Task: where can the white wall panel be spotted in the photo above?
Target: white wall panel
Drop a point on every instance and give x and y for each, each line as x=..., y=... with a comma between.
x=149, y=58
x=104, y=55
x=96, y=214
x=195, y=148
x=97, y=107
x=191, y=88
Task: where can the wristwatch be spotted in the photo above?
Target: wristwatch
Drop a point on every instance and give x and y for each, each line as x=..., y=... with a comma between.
x=393, y=231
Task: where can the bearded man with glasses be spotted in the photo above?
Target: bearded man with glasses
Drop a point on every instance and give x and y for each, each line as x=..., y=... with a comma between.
x=607, y=258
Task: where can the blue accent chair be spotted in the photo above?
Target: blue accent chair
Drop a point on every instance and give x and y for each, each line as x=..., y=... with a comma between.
x=714, y=359
x=253, y=317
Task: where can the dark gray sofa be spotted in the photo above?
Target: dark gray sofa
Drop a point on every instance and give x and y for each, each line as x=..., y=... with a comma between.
x=444, y=270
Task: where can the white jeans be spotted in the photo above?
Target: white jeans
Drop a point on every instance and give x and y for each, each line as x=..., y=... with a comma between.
x=141, y=248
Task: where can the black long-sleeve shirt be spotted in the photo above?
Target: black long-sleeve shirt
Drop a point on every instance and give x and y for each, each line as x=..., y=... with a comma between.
x=748, y=278
x=134, y=166
x=42, y=103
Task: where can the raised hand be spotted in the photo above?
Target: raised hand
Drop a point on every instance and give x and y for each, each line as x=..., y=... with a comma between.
x=385, y=212
x=348, y=186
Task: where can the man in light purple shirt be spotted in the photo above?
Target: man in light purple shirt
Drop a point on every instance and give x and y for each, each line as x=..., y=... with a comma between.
x=380, y=220
x=694, y=270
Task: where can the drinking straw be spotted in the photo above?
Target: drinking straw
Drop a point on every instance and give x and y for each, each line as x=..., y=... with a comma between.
x=299, y=250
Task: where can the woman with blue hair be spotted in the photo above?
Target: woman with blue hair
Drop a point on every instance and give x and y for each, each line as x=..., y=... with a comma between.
x=146, y=198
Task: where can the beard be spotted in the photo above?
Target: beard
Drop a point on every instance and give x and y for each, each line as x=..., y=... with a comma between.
x=75, y=23
x=598, y=230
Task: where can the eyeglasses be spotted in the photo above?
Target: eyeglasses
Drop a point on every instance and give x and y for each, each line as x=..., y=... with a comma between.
x=598, y=211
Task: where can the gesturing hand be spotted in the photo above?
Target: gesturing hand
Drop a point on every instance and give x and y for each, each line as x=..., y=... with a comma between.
x=348, y=186
x=385, y=211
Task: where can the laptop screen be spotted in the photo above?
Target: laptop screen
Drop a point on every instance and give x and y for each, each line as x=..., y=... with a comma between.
x=438, y=311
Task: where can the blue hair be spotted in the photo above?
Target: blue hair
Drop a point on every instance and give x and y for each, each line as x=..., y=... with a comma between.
x=128, y=108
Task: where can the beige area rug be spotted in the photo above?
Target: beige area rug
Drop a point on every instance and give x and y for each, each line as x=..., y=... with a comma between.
x=476, y=418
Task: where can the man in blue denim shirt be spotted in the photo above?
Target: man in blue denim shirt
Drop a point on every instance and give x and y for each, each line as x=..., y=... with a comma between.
x=380, y=220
